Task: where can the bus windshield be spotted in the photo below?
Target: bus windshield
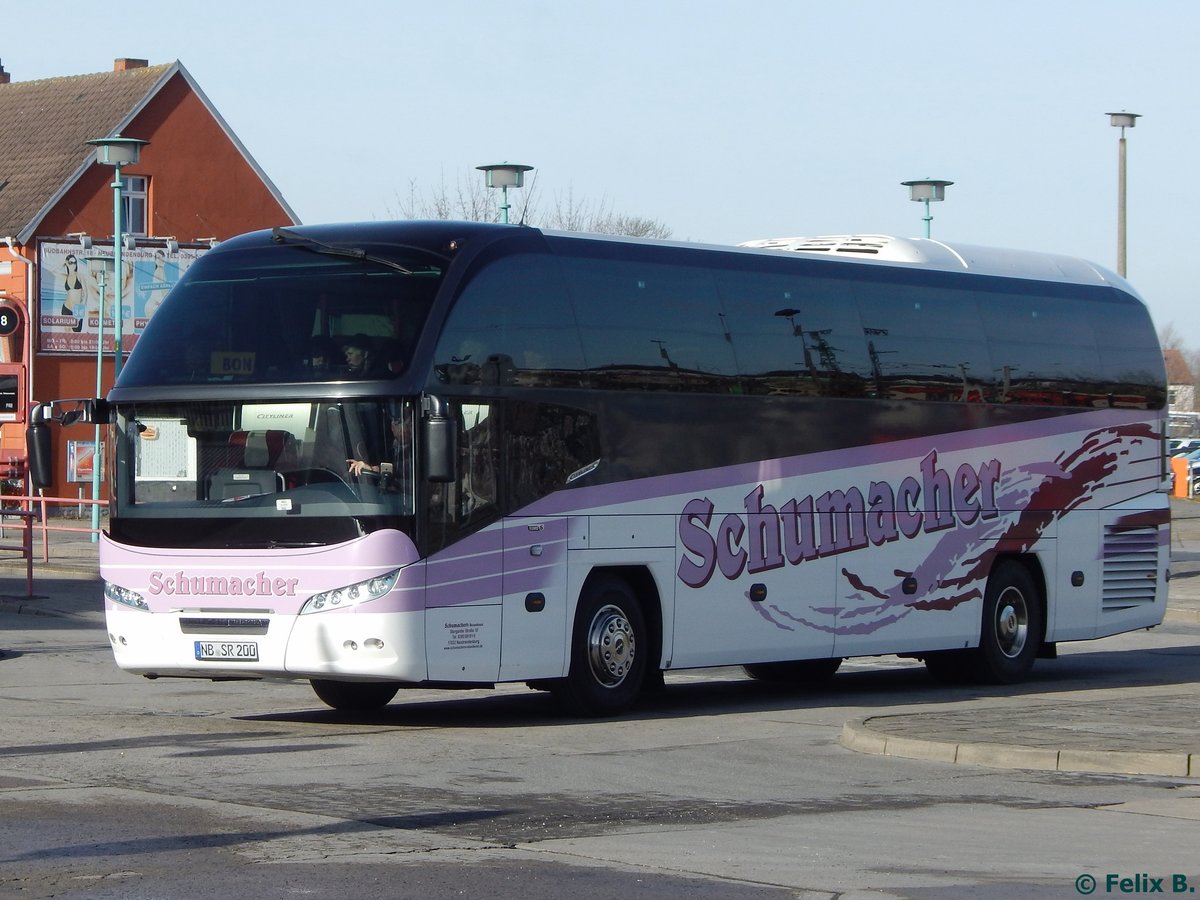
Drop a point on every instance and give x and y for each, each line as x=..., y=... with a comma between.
x=293, y=311
x=284, y=469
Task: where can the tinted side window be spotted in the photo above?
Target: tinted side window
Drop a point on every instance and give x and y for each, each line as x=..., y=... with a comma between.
x=651, y=325
x=513, y=323
x=794, y=334
x=926, y=342
x=630, y=323
x=1130, y=354
x=466, y=504
x=1044, y=349
x=545, y=446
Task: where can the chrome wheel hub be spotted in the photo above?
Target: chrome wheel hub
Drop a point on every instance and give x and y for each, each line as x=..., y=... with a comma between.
x=1012, y=623
x=611, y=646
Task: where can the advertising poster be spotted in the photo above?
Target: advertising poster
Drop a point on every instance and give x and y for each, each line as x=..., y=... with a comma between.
x=81, y=457
x=69, y=297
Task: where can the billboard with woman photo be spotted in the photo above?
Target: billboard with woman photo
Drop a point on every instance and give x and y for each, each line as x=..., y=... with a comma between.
x=72, y=281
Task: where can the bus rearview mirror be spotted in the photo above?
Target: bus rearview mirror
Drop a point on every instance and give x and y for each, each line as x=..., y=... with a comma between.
x=40, y=453
x=39, y=444
x=441, y=448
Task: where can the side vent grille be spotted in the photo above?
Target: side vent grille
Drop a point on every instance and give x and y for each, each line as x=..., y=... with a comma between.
x=1130, y=567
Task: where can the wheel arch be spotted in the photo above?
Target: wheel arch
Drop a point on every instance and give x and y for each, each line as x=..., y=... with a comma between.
x=645, y=590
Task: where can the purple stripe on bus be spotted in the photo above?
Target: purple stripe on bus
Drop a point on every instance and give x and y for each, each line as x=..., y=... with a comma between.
x=458, y=568
x=523, y=582
x=595, y=498
x=466, y=591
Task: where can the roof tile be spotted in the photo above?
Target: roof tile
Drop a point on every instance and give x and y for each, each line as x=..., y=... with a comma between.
x=44, y=129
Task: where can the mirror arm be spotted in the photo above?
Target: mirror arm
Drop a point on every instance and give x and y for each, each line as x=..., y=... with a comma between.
x=439, y=439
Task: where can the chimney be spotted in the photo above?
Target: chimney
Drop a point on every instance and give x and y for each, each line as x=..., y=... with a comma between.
x=5, y=78
x=125, y=64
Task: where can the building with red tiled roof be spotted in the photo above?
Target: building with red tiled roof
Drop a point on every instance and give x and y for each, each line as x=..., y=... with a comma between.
x=194, y=184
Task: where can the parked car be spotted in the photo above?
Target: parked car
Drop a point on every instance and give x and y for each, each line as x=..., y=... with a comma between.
x=1181, y=446
x=1193, y=463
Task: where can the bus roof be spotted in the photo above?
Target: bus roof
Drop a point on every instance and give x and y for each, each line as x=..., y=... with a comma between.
x=868, y=249
x=936, y=255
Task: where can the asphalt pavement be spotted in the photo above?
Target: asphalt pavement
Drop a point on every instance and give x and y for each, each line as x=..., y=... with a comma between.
x=1114, y=730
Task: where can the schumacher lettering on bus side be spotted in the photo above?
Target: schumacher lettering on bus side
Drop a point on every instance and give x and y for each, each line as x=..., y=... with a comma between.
x=837, y=521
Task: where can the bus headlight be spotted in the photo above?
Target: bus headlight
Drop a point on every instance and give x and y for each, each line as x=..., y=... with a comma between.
x=351, y=594
x=124, y=596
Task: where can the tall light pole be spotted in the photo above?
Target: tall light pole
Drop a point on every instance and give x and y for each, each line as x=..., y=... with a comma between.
x=117, y=151
x=504, y=176
x=1121, y=120
x=100, y=260
x=926, y=191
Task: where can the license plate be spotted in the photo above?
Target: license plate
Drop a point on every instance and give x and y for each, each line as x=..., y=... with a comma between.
x=227, y=651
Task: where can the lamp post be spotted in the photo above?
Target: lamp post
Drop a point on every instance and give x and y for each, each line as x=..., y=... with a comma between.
x=1121, y=120
x=117, y=151
x=100, y=260
x=927, y=191
x=504, y=176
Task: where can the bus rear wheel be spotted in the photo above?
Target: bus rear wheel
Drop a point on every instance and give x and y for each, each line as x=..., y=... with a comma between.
x=354, y=696
x=1010, y=633
x=1012, y=626
x=609, y=651
x=804, y=671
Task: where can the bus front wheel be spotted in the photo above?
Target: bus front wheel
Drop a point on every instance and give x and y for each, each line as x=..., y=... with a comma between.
x=354, y=696
x=609, y=651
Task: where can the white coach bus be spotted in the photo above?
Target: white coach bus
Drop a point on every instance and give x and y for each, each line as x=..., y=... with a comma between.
x=433, y=453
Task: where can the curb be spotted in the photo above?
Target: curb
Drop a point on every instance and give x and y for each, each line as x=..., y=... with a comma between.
x=860, y=737
x=1182, y=615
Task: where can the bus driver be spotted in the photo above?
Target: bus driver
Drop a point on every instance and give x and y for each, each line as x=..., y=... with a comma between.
x=394, y=473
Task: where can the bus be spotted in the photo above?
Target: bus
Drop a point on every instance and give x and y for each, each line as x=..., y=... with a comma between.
x=448, y=454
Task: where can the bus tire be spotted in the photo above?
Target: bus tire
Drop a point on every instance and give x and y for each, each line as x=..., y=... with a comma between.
x=799, y=672
x=354, y=696
x=1012, y=626
x=609, y=651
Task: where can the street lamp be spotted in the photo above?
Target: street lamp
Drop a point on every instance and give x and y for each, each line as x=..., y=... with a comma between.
x=927, y=191
x=117, y=151
x=504, y=176
x=100, y=262
x=1121, y=120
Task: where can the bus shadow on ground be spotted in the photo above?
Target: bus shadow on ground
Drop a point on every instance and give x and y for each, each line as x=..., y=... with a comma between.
x=689, y=695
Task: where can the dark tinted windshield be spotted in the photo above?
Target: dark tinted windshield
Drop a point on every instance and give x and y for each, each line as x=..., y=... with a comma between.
x=291, y=312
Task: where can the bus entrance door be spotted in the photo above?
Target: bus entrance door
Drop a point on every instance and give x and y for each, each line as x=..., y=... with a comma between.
x=535, y=598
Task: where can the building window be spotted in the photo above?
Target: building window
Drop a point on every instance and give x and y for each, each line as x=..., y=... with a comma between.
x=133, y=203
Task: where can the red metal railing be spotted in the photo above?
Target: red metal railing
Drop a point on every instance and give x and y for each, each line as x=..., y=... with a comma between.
x=45, y=516
x=25, y=548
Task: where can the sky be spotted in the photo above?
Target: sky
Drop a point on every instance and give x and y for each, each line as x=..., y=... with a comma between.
x=723, y=121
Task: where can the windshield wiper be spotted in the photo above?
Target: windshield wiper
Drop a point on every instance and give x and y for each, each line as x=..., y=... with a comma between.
x=279, y=235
